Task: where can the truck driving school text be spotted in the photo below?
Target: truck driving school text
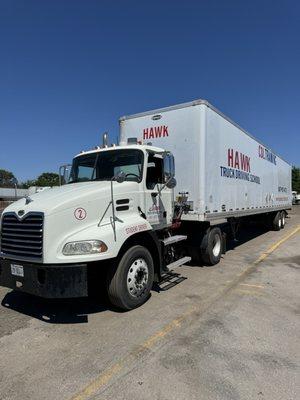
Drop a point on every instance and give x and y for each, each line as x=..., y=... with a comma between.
x=238, y=167
x=238, y=164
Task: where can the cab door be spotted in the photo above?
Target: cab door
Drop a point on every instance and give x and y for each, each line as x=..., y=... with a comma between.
x=158, y=197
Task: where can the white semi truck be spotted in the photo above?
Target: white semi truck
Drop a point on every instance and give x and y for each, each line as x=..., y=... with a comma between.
x=125, y=211
x=295, y=197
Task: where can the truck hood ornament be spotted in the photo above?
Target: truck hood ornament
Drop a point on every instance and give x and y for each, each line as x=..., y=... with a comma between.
x=28, y=200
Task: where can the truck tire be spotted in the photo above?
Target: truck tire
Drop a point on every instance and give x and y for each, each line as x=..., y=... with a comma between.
x=129, y=282
x=282, y=219
x=276, y=223
x=211, y=246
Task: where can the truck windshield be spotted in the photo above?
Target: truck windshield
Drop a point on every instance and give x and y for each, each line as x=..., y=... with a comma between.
x=104, y=165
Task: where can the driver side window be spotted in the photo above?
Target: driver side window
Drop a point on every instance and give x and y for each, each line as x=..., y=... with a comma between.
x=154, y=171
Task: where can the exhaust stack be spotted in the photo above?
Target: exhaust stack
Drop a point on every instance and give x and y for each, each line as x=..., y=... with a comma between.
x=105, y=139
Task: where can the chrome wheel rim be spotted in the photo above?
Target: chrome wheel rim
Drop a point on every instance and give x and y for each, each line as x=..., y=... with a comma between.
x=137, y=277
x=216, y=245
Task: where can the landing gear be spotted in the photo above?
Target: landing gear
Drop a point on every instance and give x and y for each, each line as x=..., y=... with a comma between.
x=130, y=281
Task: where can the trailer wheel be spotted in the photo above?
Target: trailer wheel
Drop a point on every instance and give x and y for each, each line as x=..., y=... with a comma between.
x=277, y=222
x=130, y=281
x=211, y=246
x=282, y=219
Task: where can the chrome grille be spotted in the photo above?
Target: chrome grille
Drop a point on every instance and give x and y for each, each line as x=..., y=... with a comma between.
x=22, y=238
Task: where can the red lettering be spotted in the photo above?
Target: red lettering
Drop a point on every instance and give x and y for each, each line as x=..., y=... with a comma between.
x=151, y=133
x=243, y=162
x=158, y=131
x=248, y=164
x=230, y=158
x=155, y=132
x=236, y=160
x=145, y=133
x=261, y=152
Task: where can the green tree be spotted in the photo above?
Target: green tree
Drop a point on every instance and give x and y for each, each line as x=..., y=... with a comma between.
x=47, y=179
x=296, y=179
x=7, y=178
x=27, y=184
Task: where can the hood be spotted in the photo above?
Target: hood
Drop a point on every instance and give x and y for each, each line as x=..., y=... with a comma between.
x=60, y=198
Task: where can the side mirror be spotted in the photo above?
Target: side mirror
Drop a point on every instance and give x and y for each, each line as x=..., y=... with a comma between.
x=120, y=177
x=169, y=168
x=64, y=173
x=171, y=183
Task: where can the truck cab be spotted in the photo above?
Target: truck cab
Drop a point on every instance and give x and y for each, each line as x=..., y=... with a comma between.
x=146, y=172
x=118, y=201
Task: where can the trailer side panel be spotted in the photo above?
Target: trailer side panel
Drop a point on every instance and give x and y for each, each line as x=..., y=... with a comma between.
x=225, y=170
x=241, y=174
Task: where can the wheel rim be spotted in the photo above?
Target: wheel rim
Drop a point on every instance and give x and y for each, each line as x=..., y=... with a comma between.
x=279, y=222
x=216, y=246
x=137, y=277
x=283, y=220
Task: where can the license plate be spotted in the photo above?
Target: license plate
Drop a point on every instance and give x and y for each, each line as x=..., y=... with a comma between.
x=17, y=270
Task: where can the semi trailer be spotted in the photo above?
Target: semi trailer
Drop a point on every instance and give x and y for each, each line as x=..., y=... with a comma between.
x=125, y=211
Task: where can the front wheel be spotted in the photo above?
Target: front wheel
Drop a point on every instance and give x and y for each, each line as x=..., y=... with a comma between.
x=130, y=281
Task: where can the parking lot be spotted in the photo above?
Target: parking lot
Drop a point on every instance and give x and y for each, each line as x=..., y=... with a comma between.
x=225, y=332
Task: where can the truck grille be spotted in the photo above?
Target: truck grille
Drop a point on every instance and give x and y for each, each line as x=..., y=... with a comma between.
x=22, y=239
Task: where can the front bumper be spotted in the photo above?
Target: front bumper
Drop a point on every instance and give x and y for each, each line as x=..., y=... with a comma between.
x=44, y=280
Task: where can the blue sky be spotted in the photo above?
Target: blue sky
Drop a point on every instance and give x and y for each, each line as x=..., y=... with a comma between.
x=70, y=69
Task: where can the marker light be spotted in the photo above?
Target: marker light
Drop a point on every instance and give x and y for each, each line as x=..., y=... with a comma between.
x=84, y=247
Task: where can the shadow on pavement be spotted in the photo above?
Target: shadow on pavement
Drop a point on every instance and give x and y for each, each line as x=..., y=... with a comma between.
x=67, y=311
x=245, y=234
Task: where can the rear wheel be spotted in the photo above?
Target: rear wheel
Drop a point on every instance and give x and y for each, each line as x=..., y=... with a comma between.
x=282, y=219
x=211, y=246
x=277, y=222
x=130, y=281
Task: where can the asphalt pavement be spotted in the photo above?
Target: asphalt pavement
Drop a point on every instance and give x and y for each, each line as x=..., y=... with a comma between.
x=225, y=332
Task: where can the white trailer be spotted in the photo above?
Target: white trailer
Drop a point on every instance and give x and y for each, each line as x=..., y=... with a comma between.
x=225, y=171
x=126, y=216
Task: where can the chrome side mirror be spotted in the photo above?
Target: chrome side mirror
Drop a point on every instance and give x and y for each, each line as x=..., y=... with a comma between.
x=64, y=174
x=169, y=168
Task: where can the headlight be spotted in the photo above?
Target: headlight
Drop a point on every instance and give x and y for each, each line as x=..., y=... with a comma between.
x=84, y=247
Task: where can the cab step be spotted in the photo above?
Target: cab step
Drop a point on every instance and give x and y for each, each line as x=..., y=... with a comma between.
x=179, y=262
x=173, y=239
